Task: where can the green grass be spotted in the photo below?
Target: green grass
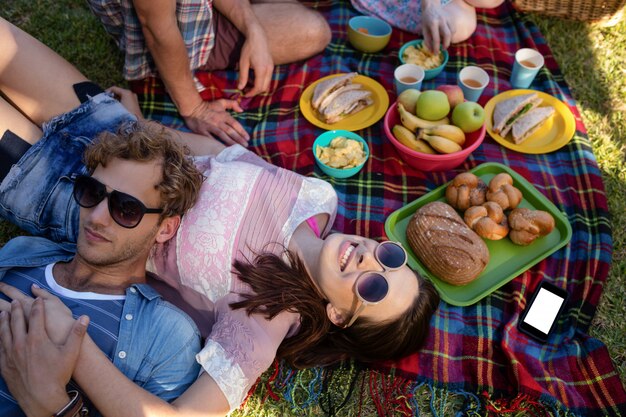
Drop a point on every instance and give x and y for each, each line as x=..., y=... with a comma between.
x=590, y=56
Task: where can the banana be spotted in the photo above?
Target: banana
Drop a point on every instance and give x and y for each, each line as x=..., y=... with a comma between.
x=407, y=138
x=452, y=132
x=441, y=144
x=412, y=122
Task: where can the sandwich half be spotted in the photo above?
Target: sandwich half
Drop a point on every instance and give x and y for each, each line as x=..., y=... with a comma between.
x=347, y=103
x=507, y=111
x=531, y=121
x=327, y=87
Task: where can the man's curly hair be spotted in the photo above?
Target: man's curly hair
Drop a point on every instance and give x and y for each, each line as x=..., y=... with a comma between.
x=145, y=142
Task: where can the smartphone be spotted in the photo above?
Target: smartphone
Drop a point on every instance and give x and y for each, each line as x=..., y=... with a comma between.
x=541, y=312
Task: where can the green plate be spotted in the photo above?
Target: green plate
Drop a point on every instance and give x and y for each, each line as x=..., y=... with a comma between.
x=507, y=260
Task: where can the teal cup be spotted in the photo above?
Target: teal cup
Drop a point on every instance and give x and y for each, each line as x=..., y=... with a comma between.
x=473, y=81
x=408, y=76
x=527, y=64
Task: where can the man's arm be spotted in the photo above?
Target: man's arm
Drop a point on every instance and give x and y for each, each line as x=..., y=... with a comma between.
x=167, y=47
x=255, y=53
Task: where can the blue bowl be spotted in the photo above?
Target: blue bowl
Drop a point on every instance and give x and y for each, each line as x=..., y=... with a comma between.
x=324, y=140
x=429, y=74
x=376, y=38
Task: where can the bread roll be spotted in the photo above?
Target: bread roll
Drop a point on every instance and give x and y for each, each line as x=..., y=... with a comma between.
x=446, y=246
x=488, y=220
x=466, y=190
x=527, y=225
x=502, y=191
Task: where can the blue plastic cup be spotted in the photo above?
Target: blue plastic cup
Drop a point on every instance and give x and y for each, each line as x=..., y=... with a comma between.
x=527, y=64
x=408, y=76
x=473, y=81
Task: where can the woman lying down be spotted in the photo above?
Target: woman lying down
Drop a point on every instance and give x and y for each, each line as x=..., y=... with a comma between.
x=253, y=263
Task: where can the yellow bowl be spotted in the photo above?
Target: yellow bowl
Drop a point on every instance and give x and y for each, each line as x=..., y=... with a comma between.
x=368, y=34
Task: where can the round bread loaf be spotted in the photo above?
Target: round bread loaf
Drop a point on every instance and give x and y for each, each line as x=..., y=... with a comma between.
x=443, y=242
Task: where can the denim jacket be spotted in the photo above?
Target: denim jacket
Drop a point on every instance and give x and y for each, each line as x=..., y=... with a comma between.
x=157, y=342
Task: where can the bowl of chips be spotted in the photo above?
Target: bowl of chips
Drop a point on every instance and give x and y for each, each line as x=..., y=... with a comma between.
x=340, y=153
x=415, y=52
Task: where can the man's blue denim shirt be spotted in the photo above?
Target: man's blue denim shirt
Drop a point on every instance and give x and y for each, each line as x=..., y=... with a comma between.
x=157, y=341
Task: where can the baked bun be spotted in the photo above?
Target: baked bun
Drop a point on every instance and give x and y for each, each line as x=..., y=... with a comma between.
x=501, y=191
x=488, y=220
x=527, y=225
x=442, y=241
x=466, y=190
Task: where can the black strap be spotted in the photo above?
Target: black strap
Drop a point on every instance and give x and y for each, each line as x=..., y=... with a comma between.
x=12, y=148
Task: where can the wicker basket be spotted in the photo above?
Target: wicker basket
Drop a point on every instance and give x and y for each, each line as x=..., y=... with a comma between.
x=586, y=10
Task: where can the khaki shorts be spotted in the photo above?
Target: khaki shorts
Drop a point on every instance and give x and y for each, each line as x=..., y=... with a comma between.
x=228, y=43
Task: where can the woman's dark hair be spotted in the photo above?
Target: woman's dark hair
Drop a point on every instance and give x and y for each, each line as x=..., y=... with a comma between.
x=280, y=285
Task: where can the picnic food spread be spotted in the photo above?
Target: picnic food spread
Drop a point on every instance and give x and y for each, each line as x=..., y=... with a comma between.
x=446, y=245
x=520, y=115
x=342, y=153
x=338, y=97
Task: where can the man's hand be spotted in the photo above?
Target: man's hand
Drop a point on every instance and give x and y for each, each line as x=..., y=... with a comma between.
x=255, y=55
x=436, y=28
x=211, y=118
x=60, y=319
x=35, y=369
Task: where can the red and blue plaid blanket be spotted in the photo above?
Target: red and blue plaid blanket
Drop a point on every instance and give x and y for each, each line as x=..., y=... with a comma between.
x=476, y=350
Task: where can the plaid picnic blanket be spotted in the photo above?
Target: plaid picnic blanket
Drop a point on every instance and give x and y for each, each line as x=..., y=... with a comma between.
x=475, y=351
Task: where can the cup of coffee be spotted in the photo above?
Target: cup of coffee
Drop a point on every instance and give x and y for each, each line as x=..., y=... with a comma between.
x=473, y=81
x=527, y=64
x=408, y=76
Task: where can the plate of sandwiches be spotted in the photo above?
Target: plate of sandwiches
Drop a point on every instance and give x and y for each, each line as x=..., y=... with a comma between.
x=347, y=101
x=529, y=121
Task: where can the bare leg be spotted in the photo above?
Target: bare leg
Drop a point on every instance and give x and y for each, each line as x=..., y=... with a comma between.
x=462, y=18
x=34, y=78
x=294, y=31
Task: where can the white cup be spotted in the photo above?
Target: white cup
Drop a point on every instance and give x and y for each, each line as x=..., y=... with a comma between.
x=473, y=81
x=408, y=76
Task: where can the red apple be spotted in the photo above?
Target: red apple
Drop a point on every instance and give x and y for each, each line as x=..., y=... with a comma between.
x=454, y=93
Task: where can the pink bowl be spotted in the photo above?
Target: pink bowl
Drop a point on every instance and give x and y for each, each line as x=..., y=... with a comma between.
x=428, y=162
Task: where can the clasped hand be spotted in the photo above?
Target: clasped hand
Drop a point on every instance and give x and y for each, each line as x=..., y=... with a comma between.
x=35, y=365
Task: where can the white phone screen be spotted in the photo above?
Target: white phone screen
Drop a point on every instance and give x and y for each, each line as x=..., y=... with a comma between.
x=544, y=310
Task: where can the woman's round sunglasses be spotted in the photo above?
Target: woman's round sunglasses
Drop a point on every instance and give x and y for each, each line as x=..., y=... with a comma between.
x=371, y=287
x=126, y=210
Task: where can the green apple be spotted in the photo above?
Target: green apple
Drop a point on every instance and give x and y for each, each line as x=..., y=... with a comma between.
x=469, y=116
x=432, y=105
x=408, y=98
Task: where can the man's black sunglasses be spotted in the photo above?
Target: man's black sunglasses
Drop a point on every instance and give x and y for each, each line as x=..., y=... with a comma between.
x=126, y=210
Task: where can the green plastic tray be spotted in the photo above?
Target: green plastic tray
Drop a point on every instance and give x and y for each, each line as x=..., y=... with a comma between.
x=507, y=260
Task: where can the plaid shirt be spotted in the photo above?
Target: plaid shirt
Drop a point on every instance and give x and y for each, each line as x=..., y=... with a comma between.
x=120, y=21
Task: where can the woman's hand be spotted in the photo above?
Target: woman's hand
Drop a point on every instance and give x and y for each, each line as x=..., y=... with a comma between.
x=436, y=27
x=60, y=320
x=35, y=368
x=210, y=118
x=128, y=100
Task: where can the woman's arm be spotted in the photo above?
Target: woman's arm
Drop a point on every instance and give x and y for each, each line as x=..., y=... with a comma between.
x=115, y=395
x=197, y=144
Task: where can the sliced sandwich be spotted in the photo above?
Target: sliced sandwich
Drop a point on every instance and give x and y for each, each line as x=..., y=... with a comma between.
x=527, y=124
x=507, y=111
x=327, y=87
x=347, y=103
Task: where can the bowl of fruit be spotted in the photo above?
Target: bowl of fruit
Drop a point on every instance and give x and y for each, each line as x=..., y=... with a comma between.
x=435, y=130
